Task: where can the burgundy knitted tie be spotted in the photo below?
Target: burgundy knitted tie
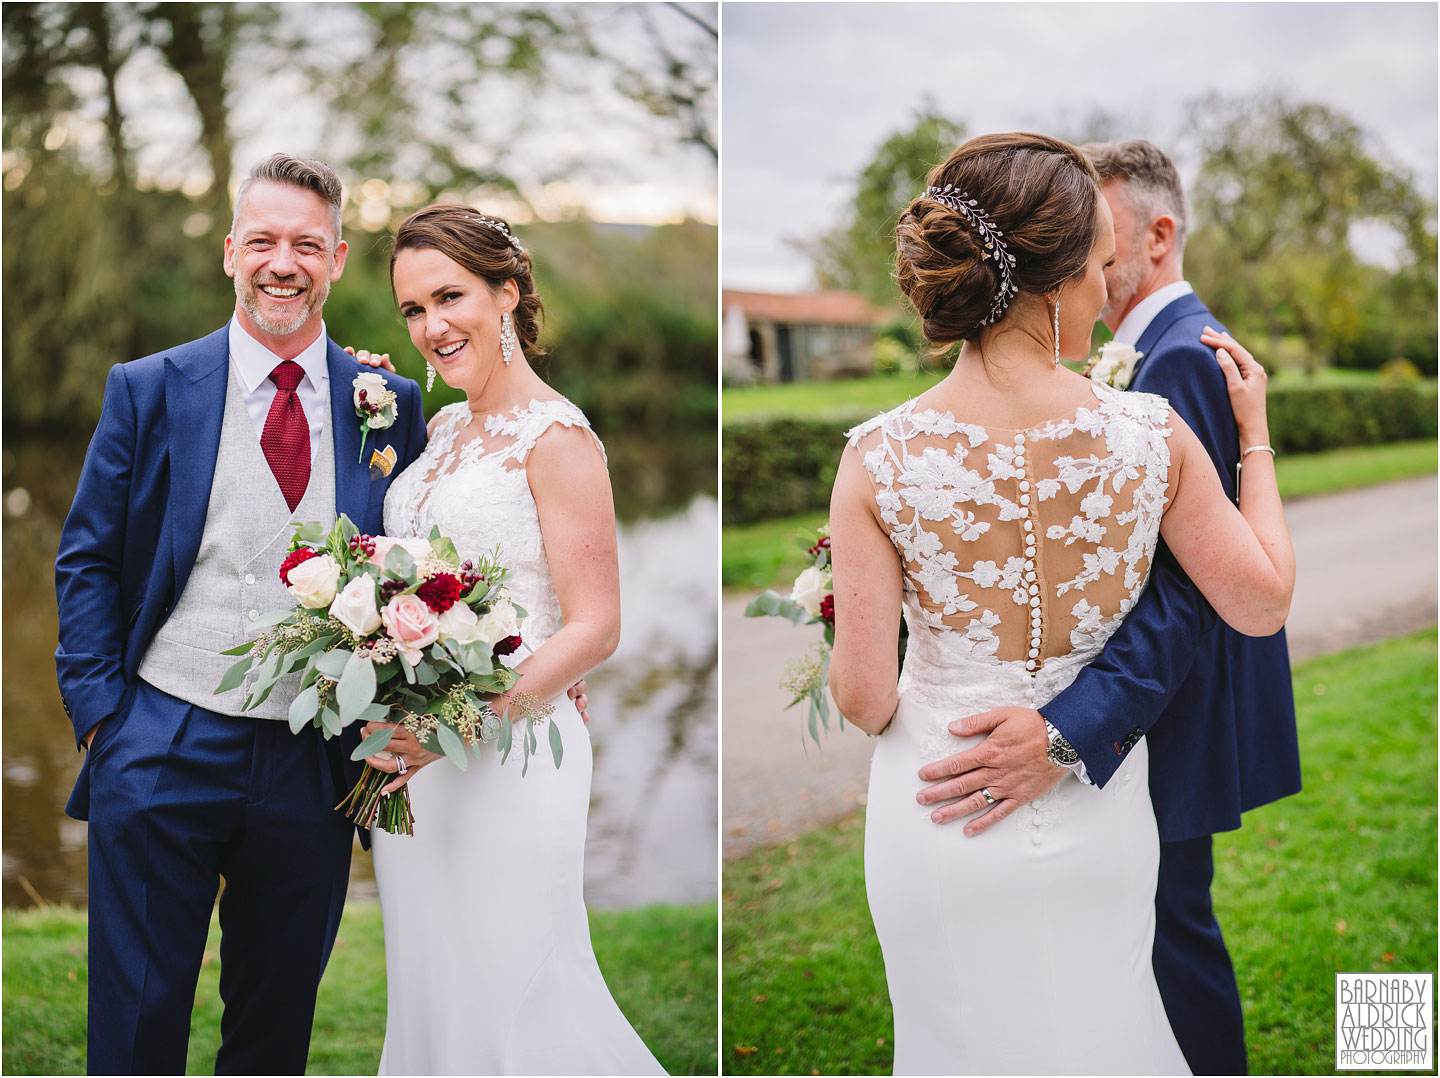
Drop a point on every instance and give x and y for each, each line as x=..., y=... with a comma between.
x=286, y=439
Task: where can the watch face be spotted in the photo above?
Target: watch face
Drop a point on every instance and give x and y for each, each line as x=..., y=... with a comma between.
x=1064, y=754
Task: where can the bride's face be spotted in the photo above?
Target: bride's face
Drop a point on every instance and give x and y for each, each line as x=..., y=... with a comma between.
x=453, y=316
x=1082, y=299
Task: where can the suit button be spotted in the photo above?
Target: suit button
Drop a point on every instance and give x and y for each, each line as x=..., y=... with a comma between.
x=253, y=615
x=249, y=578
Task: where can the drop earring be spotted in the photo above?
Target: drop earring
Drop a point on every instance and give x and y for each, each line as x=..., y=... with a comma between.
x=1057, y=329
x=507, y=338
x=429, y=377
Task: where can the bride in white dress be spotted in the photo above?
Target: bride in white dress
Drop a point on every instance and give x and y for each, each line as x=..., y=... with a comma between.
x=487, y=944
x=1014, y=510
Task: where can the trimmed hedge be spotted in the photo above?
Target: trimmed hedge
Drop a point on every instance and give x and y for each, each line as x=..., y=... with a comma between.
x=781, y=467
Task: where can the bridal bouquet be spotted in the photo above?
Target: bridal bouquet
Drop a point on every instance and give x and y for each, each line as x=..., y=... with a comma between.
x=392, y=630
x=811, y=602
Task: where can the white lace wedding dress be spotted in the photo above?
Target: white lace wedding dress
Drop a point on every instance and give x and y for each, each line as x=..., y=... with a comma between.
x=487, y=945
x=1025, y=949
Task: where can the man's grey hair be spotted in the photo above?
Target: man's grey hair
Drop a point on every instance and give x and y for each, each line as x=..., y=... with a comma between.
x=1152, y=186
x=314, y=176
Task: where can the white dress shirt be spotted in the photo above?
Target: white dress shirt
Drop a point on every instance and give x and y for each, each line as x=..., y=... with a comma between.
x=253, y=363
x=1134, y=324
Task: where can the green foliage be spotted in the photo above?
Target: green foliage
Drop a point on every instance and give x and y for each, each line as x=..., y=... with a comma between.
x=859, y=252
x=804, y=978
x=780, y=467
x=659, y=962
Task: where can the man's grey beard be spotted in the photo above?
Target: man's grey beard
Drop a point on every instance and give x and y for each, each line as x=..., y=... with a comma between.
x=249, y=301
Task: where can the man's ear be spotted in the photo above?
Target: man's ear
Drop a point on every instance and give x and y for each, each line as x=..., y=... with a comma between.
x=228, y=260
x=341, y=250
x=1160, y=238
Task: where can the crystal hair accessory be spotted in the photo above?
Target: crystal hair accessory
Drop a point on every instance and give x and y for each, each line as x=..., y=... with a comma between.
x=993, y=240
x=499, y=226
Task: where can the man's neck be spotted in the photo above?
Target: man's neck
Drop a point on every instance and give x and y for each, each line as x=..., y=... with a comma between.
x=1167, y=273
x=287, y=345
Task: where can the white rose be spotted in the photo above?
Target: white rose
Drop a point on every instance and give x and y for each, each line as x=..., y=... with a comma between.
x=498, y=624
x=1115, y=365
x=811, y=587
x=313, y=582
x=460, y=624
x=373, y=385
x=355, y=606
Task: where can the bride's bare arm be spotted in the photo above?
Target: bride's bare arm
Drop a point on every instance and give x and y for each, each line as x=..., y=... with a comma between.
x=577, y=523
x=866, y=568
x=1240, y=559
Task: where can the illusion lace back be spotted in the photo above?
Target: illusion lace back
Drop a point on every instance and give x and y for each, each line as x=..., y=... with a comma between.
x=1022, y=550
x=497, y=854
x=1026, y=948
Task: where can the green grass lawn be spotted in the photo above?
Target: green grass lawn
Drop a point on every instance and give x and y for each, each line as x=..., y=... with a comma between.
x=764, y=555
x=1340, y=877
x=659, y=962
x=865, y=397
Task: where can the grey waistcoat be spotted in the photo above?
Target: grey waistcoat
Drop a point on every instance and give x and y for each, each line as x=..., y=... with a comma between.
x=237, y=572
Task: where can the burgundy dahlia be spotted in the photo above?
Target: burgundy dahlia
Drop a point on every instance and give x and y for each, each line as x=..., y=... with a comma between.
x=827, y=610
x=441, y=591
x=294, y=558
x=508, y=645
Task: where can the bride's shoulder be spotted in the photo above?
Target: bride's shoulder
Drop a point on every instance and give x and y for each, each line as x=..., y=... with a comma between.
x=446, y=417
x=553, y=421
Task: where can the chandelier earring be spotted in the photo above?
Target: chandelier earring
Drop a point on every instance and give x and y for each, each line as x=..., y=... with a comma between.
x=429, y=377
x=507, y=338
x=1057, y=329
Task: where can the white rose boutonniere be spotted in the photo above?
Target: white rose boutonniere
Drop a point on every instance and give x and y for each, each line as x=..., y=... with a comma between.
x=811, y=588
x=374, y=404
x=1114, y=364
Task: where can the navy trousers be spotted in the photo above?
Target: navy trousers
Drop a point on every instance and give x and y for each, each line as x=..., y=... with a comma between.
x=1192, y=967
x=179, y=798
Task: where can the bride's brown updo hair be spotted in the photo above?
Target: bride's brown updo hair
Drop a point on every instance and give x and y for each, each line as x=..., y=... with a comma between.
x=473, y=239
x=1042, y=195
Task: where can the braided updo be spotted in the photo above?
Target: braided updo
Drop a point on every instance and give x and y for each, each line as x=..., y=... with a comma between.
x=1040, y=192
x=463, y=235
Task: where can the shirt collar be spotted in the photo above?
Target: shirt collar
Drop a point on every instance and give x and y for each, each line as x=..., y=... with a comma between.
x=1132, y=327
x=254, y=362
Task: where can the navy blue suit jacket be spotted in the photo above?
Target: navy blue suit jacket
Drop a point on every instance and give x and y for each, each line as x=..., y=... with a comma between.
x=1217, y=708
x=134, y=529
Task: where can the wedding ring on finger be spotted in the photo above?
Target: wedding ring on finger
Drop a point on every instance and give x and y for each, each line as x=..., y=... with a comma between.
x=400, y=761
x=985, y=793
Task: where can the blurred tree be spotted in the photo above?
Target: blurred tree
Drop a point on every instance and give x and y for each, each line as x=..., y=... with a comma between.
x=1282, y=189
x=859, y=253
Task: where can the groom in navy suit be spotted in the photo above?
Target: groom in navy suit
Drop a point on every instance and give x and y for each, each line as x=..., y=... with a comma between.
x=1216, y=708
x=203, y=455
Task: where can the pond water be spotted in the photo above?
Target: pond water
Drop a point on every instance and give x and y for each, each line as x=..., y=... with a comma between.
x=653, y=710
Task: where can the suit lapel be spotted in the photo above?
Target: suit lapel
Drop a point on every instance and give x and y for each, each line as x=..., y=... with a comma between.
x=196, y=379
x=352, y=477
x=1182, y=307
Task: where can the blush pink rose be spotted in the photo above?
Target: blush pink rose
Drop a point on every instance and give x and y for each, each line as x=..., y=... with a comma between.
x=411, y=624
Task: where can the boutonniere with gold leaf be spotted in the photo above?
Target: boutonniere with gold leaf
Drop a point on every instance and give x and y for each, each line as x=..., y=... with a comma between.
x=1114, y=364
x=374, y=404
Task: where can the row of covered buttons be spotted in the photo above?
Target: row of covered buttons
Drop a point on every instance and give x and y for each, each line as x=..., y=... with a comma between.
x=1031, y=583
x=253, y=614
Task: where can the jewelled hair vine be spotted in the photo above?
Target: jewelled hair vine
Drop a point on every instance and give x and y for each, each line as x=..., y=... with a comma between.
x=498, y=226
x=993, y=239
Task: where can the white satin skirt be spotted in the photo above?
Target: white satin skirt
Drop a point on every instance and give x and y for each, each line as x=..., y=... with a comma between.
x=1026, y=949
x=489, y=967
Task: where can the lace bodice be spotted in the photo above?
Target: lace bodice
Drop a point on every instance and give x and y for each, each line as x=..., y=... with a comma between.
x=470, y=483
x=1022, y=550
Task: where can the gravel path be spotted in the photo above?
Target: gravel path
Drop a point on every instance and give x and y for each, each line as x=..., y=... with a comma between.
x=1367, y=570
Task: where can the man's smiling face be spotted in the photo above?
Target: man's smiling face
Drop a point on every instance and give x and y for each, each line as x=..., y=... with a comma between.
x=283, y=256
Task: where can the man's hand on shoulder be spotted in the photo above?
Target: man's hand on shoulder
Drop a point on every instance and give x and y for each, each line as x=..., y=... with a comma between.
x=1012, y=765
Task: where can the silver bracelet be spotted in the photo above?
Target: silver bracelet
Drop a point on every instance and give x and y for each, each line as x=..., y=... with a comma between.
x=1246, y=452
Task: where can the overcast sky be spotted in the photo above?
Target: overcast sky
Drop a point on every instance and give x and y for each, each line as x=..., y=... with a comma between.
x=810, y=90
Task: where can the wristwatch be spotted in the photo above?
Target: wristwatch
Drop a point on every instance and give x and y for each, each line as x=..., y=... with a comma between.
x=1060, y=751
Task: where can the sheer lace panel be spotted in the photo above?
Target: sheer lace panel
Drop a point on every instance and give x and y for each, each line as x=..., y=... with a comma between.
x=1027, y=544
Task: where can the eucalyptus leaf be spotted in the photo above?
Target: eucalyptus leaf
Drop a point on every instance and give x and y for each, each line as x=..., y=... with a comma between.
x=452, y=746
x=269, y=620
x=767, y=602
x=332, y=664
x=505, y=741
x=399, y=563
x=444, y=548
x=311, y=533
x=235, y=675
x=239, y=649
x=425, y=673
x=356, y=690
x=557, y=750
x=375, y=713
x=330, y=721
x=303, y=708
x=376, y=742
